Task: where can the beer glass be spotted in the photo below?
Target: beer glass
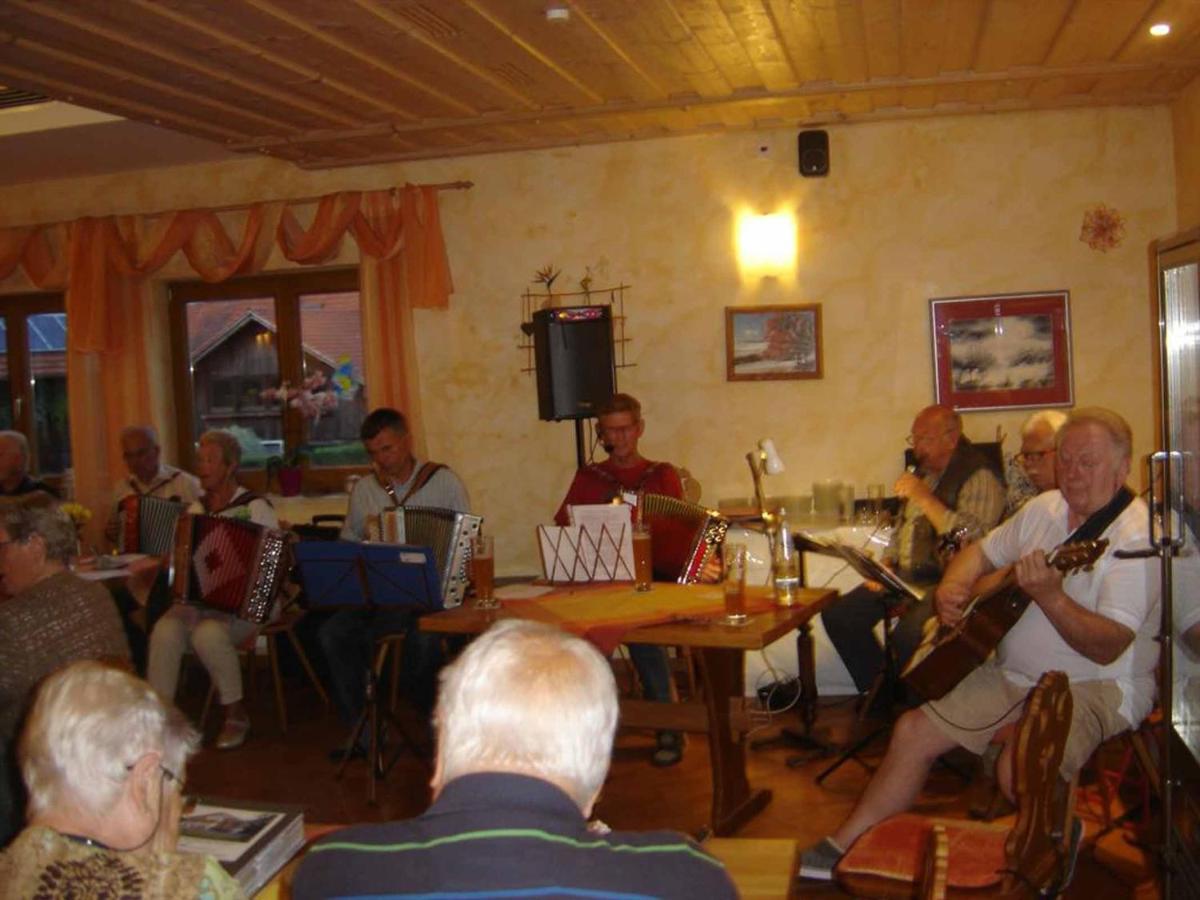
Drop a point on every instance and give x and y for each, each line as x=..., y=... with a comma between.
x=735, y=584
x=483, y=571
x=643, y=570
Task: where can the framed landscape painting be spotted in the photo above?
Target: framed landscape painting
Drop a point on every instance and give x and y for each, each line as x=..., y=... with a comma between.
x=766, y=343
x=1002, y=351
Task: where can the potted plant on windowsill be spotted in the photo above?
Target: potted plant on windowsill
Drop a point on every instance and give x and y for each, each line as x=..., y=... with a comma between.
x=313, y=397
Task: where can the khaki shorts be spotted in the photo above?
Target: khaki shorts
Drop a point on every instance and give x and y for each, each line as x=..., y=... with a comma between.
x=985, y=701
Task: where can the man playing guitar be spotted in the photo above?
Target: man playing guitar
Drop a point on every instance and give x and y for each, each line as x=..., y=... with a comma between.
x=1098, y=626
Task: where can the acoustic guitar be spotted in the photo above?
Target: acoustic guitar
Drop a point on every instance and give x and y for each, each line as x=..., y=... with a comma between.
x=951, y=652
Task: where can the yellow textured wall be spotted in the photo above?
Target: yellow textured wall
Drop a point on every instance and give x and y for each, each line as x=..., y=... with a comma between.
x=1185, y=119
x=911, y=210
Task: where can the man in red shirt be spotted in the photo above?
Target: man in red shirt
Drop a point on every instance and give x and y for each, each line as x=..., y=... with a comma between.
x=624, y=475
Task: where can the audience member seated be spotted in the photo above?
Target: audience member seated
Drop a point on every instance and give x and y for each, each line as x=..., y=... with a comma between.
x=525, y=725
x=50, y=618
x=14, y=467
x=1097, y=625
x=1031, y=471
x=213, y=634
x=347, y=638
x=103, y=759
x=952, y=492
x=624, y=475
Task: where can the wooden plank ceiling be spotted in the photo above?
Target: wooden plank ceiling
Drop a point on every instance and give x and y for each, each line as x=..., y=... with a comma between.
x=342, y=82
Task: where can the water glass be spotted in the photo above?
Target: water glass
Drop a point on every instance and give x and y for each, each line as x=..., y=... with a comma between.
x=735, y=584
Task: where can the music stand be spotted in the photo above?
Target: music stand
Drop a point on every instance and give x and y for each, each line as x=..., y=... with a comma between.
x=350, y=575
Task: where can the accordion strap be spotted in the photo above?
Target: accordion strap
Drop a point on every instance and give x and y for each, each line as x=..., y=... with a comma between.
x=426, y=472
x=243, y=499
x=605, y=475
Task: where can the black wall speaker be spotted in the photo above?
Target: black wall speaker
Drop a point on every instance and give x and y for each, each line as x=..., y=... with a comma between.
x=814, y=153
x=573, y=347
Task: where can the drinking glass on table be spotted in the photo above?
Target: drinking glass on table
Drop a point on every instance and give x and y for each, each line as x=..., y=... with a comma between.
x=735, y=584
x=483, y=571
x=643, y=570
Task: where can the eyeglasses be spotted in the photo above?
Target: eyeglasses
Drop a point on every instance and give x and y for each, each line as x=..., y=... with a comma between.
x=166, y=773
x=913, y=439
x=1033, y=456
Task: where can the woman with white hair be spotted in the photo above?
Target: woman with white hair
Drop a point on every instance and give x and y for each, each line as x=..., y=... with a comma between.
x=103, y=760
x=213, y=634
x=51, y=617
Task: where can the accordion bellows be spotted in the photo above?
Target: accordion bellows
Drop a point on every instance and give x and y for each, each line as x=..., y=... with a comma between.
x=148, y=524
x=229, y=565
x=684, y=536
x=446, y=532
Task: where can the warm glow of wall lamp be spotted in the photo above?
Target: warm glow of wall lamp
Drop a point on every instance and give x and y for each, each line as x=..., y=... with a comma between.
x=1160, y=29
x=766, y=245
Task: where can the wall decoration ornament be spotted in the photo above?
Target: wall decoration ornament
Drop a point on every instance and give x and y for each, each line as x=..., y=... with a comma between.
x=1002, y=351
x=1103, y=228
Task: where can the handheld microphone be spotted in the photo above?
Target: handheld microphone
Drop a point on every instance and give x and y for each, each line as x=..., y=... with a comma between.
x=608, y=448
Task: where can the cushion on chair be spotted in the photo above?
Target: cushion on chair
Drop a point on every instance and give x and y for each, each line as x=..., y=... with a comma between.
x=889, y=858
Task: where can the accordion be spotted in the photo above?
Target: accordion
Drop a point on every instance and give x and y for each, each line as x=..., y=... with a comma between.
x=683, y=536
x=228, y=564
x=148, y=524
x=446, y=532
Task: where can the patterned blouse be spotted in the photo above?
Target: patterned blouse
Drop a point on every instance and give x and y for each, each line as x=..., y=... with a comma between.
x=42, y=864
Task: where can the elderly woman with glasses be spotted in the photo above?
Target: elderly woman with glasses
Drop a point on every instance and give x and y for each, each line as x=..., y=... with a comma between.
x=49, y=618
x=103, y=757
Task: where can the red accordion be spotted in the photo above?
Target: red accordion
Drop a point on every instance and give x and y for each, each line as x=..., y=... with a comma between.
x=684, y=536
x=230, y=565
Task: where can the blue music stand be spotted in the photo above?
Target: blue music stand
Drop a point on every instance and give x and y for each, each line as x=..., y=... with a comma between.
x=347, y=574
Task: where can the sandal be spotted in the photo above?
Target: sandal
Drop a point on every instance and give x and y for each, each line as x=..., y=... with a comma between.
x=670, y=749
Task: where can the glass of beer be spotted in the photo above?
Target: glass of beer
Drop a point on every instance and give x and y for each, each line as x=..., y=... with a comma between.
x=483, y=571
x=735, y=584
x=643, y=571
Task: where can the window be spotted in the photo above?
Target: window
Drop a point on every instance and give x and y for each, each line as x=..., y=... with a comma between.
x=234, y=344
x=33, y=378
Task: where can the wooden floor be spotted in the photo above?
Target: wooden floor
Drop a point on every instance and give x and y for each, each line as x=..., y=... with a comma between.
x=295, y=768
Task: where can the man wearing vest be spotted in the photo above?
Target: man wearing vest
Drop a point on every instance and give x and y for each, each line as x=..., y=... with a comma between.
x=397, y=478
x=1097, y=624
x=953, y=491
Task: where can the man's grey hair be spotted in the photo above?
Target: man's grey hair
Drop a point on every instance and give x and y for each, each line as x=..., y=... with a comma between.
x=231, y=450
x=22, y=444
x=528, y=698
x=1051, y=419
x=1117, y=428
x=89, y=724
x=37, y=514
x=146, y=431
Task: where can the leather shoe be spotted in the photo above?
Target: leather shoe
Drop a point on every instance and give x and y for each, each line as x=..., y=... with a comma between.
x=233, y=733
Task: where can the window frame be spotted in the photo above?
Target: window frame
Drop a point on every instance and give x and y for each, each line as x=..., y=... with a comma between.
x=16, y=310
x=286, y=288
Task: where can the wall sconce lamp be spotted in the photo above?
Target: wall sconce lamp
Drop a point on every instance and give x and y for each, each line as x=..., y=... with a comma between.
x=766, y=245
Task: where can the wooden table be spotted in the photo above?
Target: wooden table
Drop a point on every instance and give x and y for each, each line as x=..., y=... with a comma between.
x=719, y=651
x=761, y=868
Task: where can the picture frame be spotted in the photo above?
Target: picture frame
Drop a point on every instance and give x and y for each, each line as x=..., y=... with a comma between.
x=1002, y=351
x=773, y=343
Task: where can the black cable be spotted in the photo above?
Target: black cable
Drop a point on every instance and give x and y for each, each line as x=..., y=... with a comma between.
x=991, y=724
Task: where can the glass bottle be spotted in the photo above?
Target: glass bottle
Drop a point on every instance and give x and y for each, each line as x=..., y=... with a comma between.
x=785, y=563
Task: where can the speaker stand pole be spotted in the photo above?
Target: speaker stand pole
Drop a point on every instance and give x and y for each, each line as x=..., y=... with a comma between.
x=579, y=461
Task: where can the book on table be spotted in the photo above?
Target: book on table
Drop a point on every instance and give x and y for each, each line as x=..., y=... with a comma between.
x=251, y=840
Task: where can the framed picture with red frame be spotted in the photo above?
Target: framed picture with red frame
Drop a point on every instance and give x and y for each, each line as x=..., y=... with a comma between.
x=1002, y=351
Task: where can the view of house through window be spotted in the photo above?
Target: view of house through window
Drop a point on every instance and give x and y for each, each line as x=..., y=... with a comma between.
x=33, y=378
x=277, y=360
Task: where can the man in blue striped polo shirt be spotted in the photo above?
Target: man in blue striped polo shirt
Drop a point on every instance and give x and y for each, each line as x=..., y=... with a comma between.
x=525, y=724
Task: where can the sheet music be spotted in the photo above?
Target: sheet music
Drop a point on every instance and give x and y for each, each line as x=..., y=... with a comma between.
x=600, y=548
x=860, y=562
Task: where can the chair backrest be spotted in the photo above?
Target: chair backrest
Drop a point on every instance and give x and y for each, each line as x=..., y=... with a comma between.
x=1035, y=848
x=683, y=535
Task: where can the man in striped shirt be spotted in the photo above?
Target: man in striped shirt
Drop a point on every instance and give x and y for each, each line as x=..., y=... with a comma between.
x=525, y=724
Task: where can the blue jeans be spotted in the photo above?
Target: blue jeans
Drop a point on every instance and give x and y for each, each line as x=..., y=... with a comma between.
x=654, y=670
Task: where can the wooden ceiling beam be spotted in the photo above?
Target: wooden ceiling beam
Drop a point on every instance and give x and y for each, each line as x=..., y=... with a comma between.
x=307, y=73
x=742, y=99
x=401, y=24
x=533, y=51
x=615, y=48
x=220, y=76
x=367, y=59
x=124, y=75
x=74, y=93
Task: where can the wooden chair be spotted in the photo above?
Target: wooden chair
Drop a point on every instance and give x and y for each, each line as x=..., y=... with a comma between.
x=283, y=626
x=990, y=860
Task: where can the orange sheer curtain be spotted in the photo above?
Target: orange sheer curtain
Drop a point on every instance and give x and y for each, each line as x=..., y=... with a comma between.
x=104, y=264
